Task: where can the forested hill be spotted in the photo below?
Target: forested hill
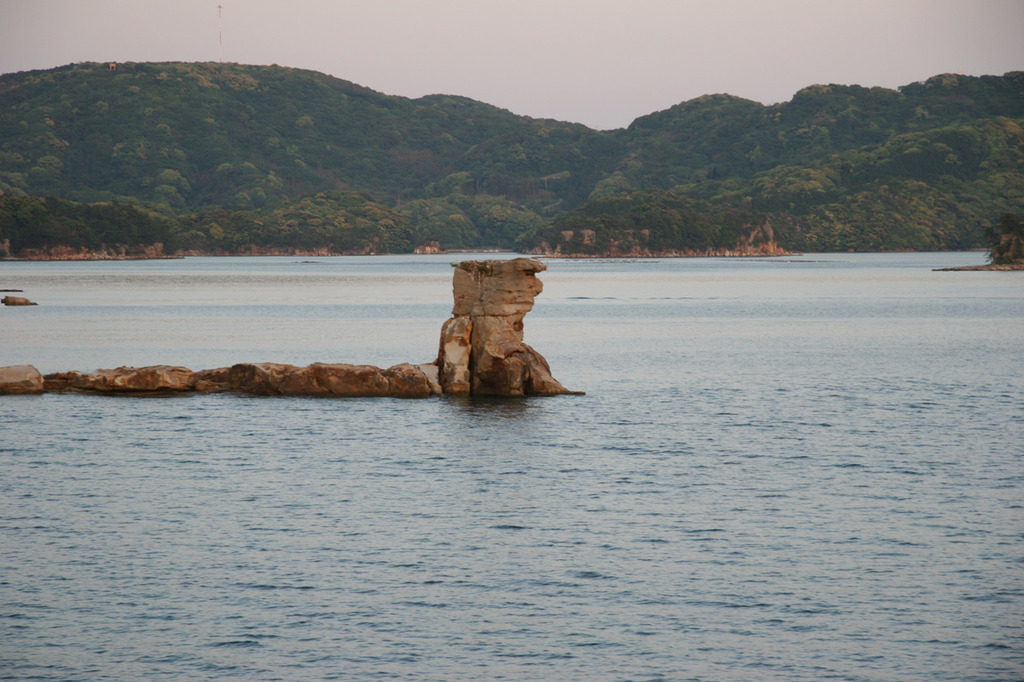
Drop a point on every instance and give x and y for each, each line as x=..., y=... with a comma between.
x=214, y=135
x=208, y=146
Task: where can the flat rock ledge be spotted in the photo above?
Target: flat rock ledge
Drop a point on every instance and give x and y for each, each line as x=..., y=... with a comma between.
x=481, y=353
x=265, y=378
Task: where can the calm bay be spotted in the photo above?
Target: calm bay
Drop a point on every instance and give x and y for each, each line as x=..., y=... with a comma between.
x=798, y=468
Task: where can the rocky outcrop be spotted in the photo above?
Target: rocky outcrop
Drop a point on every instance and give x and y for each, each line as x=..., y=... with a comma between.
x=429, y=247
x=325, y=380
x=481, y=353
x=16, y=300
x=454, y=355
x=482, y=350
x=626, y=250
x=267, y=378
x=105, y=252
x=18, y=379
x=124, y=380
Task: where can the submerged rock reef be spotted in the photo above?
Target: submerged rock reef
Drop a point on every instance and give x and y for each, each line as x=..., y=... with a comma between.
x=481, y=353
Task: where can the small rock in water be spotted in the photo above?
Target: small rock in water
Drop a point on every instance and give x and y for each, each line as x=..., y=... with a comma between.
x=20, y=379
x=16, y=300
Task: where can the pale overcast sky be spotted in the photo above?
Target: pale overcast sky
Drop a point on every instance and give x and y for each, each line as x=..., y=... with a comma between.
x=598, y=62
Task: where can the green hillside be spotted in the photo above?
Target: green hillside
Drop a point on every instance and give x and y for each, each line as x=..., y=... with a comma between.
x=192, y=136
x=323, y=223
x=217, y=148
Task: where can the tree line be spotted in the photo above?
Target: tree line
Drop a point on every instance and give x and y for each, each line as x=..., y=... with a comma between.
x=223, y=157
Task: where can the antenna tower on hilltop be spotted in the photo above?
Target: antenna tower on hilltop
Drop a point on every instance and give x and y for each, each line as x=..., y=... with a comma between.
x=220, y=34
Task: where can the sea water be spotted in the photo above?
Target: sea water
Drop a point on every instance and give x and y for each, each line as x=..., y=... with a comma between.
x=799, y=468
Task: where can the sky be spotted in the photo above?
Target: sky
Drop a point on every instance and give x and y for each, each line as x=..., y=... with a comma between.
x=598, y=62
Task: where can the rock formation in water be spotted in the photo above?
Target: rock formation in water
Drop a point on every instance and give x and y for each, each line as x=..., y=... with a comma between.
x=321, y=379
x=16, y=300
x=267, y=378
x=123, y=380
x=481, y=353
x=20, y=379
x=482, y=350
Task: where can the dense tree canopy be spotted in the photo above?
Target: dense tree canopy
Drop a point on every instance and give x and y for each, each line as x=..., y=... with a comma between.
x=927, y=166
x=329, y=222
x=1007, y=241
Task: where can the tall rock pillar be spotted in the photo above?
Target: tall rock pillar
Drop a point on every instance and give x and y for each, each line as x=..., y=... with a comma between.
x=482, y=350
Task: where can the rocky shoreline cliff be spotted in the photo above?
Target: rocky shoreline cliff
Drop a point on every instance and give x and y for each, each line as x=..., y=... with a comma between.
x=762, y=251
x=156, y=252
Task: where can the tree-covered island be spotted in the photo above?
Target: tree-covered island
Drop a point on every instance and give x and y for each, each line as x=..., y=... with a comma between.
x=158, y=159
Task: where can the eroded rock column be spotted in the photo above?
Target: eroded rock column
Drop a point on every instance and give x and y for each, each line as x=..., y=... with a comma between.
x=482, y=350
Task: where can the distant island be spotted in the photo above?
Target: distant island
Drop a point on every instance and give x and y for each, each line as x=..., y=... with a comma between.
x=139, y=160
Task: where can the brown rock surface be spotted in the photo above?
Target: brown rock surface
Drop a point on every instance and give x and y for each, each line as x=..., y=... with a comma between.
x=16, y=300
x=320, y=379
x=409, y=381
x=453, y=355
x=343, y=381
x=491, y=299
x=124, y=380
x=263, y=378
x=18, y=379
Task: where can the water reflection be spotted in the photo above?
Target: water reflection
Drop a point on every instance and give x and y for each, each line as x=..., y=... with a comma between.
x=474, y=409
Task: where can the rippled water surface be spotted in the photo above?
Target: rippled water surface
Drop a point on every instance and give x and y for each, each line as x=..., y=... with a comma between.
x=793, y=469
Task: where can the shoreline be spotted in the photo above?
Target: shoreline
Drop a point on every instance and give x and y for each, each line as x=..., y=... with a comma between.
x=87, y=260
x=98, y=257
x=991, y=267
